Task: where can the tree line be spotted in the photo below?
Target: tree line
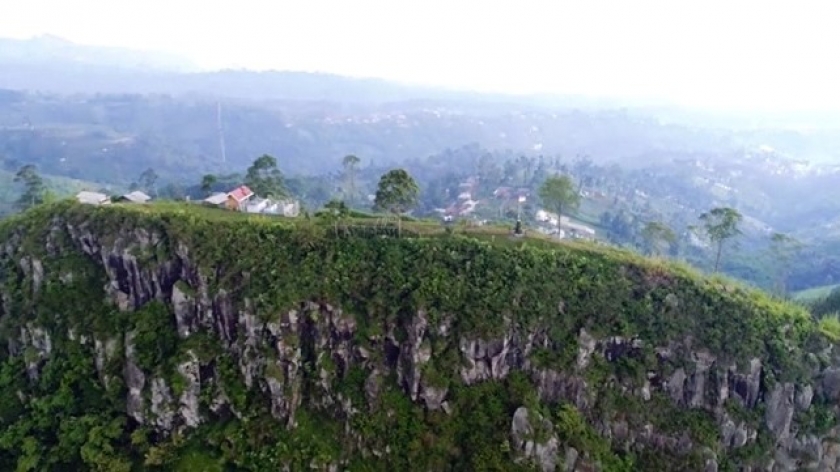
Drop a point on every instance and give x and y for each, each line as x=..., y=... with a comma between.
x=398, y=192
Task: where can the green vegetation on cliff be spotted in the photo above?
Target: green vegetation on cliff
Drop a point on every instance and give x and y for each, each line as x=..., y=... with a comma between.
x=173, y=337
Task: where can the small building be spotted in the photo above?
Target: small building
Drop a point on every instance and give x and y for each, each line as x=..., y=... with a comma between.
x=289, y=208
x=238, y=198
x=93, y=198
x=565, y=226
x=217, y=199
x=135, y=197
x=257, y=205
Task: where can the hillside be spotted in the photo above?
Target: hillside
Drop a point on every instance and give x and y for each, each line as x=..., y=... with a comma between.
x=61, y=187
x=58, y=53
x=188, y=339
x=110, y=137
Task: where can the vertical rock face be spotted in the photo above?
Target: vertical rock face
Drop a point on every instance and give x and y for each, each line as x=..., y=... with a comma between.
x=779, y=411
x=300, y=357
x=135, y=381
x=189, y=399
x=544, y=451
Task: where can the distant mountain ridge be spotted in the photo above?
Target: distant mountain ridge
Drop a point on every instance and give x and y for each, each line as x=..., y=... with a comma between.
x=55, y=65
x=53, y=50
x=34, y=64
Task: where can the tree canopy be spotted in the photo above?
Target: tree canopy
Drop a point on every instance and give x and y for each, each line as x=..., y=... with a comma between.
x=396, y=193
x=350, y=163
x=558, y=194
x=34, y=187
x=264, y=177
x=721, y=224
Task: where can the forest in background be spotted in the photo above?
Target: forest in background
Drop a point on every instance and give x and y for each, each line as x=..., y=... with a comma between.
x=110, y=122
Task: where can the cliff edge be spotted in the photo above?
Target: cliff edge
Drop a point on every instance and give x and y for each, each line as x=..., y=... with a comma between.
x=166, y=337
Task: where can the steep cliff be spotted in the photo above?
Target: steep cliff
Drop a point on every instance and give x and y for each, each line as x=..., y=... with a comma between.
x=175, y=338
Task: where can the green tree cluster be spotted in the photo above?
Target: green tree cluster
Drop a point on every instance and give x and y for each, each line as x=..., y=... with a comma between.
x=396, y=193
x=70, y=418
x=265, y=179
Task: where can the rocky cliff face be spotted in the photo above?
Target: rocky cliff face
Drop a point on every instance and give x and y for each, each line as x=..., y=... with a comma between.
x=668, y=404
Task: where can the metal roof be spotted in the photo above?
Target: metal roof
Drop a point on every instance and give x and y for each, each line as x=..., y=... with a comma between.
x=137, y=196
x=216, y=198
x=93, y=198
x=241, y=193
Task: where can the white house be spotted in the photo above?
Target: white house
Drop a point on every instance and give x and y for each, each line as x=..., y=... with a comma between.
x=290, y=208
x=135, y=197
x=266, y=206
x=257, y=205
x=567, y=227
x=217, y=199
x=93, y=198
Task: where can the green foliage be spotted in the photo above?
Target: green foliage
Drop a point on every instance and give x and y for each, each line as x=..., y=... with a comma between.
x=155, y=336
x=208, y=181
x=485, y=283
x=264, y=178
x=34, y=187
x=830, y=327
x=396, y=193
x=335, y=211
x=721, y=224
x=558, y=194
x=573, y=430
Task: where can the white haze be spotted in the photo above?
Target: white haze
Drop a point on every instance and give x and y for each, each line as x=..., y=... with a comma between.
x=736, y=54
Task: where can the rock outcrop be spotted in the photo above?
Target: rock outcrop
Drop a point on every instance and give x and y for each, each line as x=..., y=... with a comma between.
x=676, y=396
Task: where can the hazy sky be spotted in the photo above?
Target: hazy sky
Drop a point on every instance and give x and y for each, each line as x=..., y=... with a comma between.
x=733, y=53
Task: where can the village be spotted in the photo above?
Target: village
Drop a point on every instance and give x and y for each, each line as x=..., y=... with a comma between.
x=241, y=198
x=465, y=207
x=479, y=211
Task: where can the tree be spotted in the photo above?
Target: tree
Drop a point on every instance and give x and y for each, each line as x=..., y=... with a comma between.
x=657, y=237
x=148, y=181
x=783, y=248
x=173, y=191
x=34, y=189
x=264, y=177
x=350, y=162
x=720, y=225
x=208, y=182
x=396, y=193
x=558, y=193
x=336, y=211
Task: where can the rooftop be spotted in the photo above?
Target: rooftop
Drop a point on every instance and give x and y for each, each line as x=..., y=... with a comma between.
x=137, y=197
x=241, y=193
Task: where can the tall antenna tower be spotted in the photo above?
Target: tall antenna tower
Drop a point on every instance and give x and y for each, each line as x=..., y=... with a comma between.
x=221, y=130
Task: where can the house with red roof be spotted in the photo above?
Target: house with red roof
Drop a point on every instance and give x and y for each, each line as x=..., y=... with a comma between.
x=238, y=198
